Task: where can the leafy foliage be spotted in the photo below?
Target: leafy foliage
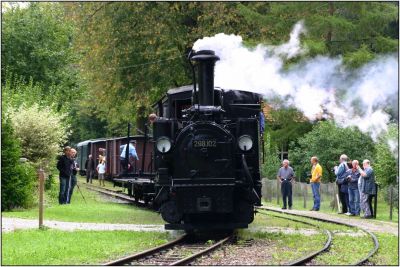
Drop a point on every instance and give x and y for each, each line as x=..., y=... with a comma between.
x=40, y=131
x=36, y=48
x=287, y=125
x=17, y=179
x=328, y=141
x=272, y=163
x=386, y=165
x=333, y=27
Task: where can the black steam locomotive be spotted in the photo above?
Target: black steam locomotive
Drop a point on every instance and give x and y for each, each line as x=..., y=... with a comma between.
x=204, y=170
x=207, y=159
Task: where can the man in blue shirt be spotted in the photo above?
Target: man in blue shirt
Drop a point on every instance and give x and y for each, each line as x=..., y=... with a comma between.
x=368, y=189
x=285, y=176
x=125, y=163
x=262, y=123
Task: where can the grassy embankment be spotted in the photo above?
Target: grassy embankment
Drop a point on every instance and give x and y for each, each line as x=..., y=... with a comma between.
x=54, y=247
x=345, y=250
x=96, y=209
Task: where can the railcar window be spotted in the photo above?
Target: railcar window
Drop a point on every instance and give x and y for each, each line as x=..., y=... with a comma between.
x=181, y=105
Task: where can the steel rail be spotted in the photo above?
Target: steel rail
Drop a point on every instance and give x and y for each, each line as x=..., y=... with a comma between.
x=200, y=253
x=312, y=255
x=147, y=252
x=113, y=193
x=373, y=237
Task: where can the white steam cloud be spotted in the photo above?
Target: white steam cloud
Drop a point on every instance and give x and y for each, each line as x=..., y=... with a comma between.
x=319, y=87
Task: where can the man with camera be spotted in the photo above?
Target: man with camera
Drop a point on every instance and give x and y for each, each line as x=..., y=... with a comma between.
x=72, y=180
x=285, y=177
x=354, y=195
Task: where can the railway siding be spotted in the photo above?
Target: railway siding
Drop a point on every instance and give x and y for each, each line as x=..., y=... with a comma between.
x=369, y=225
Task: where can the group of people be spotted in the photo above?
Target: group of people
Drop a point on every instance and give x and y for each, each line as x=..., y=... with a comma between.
x=68, y=168
x=91, y=167
x=356, y=186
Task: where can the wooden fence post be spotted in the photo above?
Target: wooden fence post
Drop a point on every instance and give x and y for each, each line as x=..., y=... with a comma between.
x=277, y=192
x=391, y=202
x=41, y=192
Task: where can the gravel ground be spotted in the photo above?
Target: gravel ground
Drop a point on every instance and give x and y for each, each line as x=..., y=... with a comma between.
x=370, y=225
x=11, y=224
x=252, y=252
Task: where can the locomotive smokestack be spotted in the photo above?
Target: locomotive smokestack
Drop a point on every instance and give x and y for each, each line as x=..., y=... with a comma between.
x=205, y=72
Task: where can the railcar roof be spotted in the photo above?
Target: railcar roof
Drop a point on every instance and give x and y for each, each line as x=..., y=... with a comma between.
x=181, y=89
x=133, y=137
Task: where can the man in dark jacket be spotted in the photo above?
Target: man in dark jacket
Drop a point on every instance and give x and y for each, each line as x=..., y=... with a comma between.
x=340, y=172
x=90, y=166
x=65, y=166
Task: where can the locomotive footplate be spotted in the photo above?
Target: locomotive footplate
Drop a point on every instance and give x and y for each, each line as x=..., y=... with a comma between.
x=205, y=226
x=204, y=196
x=196, y=182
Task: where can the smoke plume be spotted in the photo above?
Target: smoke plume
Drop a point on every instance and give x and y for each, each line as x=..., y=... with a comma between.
x=321, y=87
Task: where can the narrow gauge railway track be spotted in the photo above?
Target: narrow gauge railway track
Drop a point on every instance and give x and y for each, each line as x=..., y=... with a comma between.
x=373, y=237
x=114, y=193
x=180, y=251
x=309, y=257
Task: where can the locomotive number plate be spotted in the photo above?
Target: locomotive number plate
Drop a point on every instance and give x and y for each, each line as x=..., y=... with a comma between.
x=204, y=143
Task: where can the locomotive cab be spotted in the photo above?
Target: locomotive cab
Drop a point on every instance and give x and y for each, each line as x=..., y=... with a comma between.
x=207, y=159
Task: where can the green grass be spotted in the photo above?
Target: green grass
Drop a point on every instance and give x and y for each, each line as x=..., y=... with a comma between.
x=360, y=246
x=345, y=250
x=388, y=253
x=287, y=247
x=53, y=247
x=268, y=220
x=97, y=209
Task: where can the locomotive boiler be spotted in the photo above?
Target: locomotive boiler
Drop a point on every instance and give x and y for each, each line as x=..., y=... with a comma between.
x=207, y=161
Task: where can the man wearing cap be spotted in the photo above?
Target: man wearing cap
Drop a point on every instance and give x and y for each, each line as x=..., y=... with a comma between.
x=132, y=154
x=65, y=166
x=285, y=176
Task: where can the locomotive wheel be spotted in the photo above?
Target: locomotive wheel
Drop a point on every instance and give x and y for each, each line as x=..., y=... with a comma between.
x=244, y=212
x=170, y=212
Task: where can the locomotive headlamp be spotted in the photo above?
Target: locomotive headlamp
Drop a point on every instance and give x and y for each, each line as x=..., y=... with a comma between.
x=163, y=144
x=245, y=142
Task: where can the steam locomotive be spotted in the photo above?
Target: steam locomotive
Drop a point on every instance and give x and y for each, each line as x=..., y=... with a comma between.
x=207, y=162
x=204, y=169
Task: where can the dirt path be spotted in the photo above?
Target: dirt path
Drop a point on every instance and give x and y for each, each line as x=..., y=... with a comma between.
x=370, y=224
x=11, y=224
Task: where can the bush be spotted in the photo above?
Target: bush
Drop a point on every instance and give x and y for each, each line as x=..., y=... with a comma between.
x=41, y=133
x=386, y=168
x=17, y=179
